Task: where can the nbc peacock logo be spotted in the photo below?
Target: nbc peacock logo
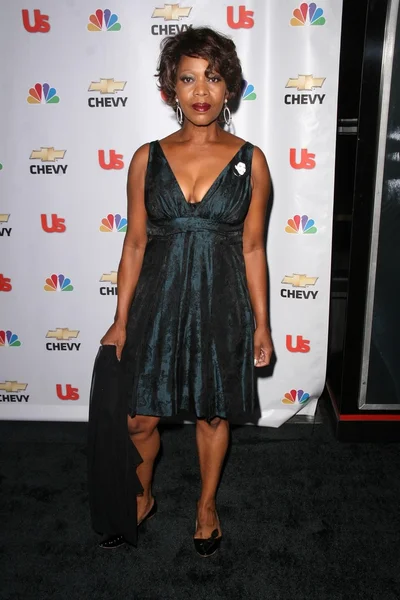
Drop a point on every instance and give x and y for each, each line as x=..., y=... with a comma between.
x=295, y=397
x=114, y=223
x=307, y=14
x=248, y=92
x=103, y=20
x=43, y=94
x=301, y=224
x=58, y=283
x=8, y=338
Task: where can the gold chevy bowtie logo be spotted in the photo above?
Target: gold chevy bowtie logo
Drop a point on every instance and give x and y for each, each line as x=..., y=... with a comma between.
x=13, y=386
x=171, y=12
x=110, y=277
x=4, y=218
x=47, y=154
x=62, y=333
x=306, y=82
x=297, y=280
x=107, y=86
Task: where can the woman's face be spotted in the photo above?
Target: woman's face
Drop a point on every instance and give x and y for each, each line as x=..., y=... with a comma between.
x=201, y=97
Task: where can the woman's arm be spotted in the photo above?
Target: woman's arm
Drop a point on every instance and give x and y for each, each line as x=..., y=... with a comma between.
x=255, y=256
x=133, y=250
x=135, y=238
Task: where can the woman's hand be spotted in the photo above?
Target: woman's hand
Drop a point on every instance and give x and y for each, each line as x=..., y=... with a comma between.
x=115, y=336
x=263, y=347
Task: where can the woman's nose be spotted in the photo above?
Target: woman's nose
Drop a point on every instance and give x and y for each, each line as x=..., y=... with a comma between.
x=201, y=88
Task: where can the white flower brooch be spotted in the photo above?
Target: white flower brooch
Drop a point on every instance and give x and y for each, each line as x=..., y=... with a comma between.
x=240, y=169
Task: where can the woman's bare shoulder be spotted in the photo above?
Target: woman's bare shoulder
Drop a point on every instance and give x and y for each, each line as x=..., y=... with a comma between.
x=259, y=158
x=140, y=157
x=259, y=167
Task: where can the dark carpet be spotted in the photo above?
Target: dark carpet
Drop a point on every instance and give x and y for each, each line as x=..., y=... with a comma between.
x=303, y=517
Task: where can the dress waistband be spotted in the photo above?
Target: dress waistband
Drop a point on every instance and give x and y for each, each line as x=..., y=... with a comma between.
x=186, y=224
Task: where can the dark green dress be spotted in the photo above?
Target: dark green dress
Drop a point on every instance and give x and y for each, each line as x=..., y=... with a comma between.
x=190, y=330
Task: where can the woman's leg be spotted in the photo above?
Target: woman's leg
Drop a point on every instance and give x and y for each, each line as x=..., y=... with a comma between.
x=145, y=436
x=212, y=443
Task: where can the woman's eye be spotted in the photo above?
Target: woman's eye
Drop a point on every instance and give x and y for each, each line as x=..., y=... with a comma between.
x=189, y=79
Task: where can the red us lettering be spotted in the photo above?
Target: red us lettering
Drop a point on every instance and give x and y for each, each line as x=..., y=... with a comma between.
x=5, y=284
x=40, y=22
x=301, y=344
x=306, y=159
x=71, y=393
x=57, y=224
x=244, y=20
x=114, y=162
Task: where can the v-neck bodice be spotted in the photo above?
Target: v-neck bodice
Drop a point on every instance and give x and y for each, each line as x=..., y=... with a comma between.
x=211, y=187
x=226, y=200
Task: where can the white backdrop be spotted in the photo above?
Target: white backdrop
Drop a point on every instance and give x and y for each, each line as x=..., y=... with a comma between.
x=80, y=98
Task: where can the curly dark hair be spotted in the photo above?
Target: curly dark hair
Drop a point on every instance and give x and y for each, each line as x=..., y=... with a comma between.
x=198, y=42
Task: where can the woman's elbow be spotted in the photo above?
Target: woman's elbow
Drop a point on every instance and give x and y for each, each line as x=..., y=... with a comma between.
x=135, y=243
x=252, y=247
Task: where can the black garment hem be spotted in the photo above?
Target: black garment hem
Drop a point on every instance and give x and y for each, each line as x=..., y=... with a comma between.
x=183, y=414
x=113, y=483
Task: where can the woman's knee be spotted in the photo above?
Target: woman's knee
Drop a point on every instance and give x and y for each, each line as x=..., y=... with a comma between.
x=208, y=425
x=143, y=425
x=215, y=422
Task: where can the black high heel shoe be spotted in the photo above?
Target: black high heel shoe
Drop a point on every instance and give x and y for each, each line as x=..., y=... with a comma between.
x=114, y=541
x=208, y=546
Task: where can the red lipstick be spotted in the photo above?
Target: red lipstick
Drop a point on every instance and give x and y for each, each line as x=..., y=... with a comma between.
x=201, y=107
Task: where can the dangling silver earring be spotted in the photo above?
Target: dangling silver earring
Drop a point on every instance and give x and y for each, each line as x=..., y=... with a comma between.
x=227, y=114
x=179, y=113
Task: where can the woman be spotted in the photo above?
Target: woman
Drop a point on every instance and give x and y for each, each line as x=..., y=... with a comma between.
x=192, y=276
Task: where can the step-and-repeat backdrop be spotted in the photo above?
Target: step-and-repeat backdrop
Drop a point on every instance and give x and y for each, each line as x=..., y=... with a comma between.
x=80, y=98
